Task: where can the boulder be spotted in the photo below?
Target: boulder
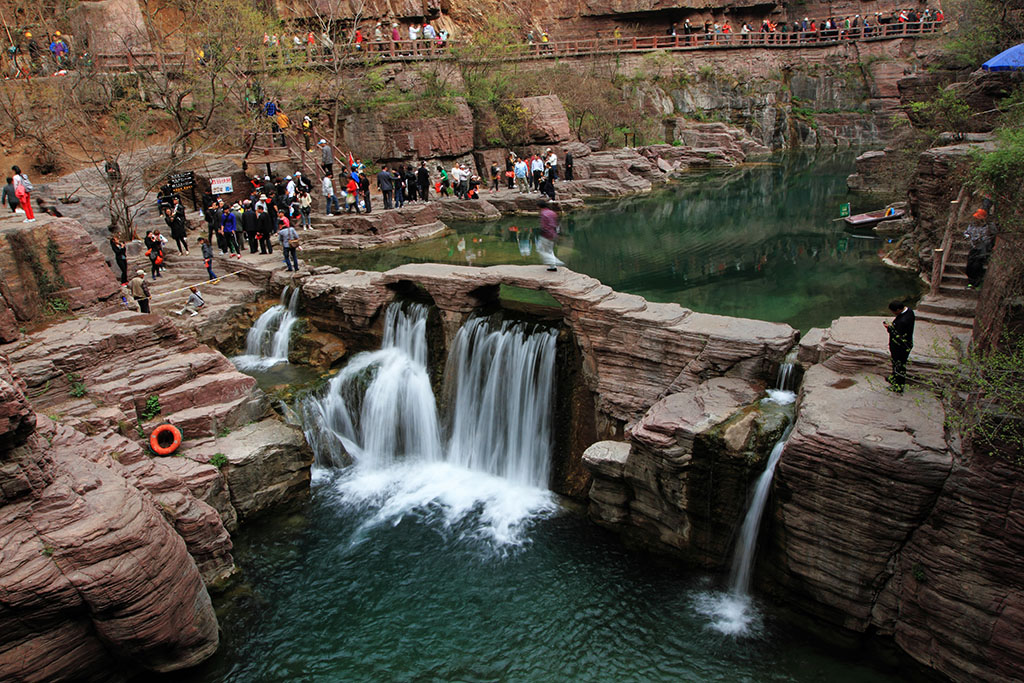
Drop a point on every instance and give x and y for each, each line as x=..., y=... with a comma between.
x=266, y=464
x=94, y=577
x=680, y=485
x=388, y=136
x=476, y=210
x=547, y=122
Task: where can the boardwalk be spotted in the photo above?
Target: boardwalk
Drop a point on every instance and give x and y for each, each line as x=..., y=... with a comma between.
x=423, y=50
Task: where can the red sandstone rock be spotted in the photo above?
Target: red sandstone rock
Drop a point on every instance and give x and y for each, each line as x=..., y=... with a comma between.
x=411, y=138
x=680, y=485
x=52, y=259
x=93, y=577
x=547, y=122
x=880, y=524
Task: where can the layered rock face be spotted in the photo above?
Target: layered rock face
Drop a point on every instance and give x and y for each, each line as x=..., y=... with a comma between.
x=679, y=485
x=880, y=525
x=94, y=576
x=49, y=266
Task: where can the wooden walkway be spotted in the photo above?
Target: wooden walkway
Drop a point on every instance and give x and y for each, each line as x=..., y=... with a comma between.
x=415, y=51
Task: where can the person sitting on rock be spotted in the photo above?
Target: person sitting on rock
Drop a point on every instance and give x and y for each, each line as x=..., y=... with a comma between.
x=194, y=303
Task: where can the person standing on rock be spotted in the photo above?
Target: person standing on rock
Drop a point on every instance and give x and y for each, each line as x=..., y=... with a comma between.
x=326, y=157
x=249, y=225
x=521, y=172
x=330, y=199
x=423, y=180
x=120, y=256
x=399, y=187
x=9, y=197
x=364, y=190
x=140, y=290
x=548, y=235
x=176, y=222
x=569, y=165
x=23, y=190
x=901, y=341
x=204, y=246
x=264, y=229
x=385, y=185
x=289, y=244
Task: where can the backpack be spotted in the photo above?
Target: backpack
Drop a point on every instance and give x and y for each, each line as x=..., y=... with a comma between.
x=26, y=183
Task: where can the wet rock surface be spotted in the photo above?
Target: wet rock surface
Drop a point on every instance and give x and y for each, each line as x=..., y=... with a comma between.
x=679, y=485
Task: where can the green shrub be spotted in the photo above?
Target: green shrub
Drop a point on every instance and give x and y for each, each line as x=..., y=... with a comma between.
x=219, y=460
x=78, y=389
x=152, y=408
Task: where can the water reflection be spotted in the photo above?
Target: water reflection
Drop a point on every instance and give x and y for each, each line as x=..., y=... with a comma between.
x=760, y=241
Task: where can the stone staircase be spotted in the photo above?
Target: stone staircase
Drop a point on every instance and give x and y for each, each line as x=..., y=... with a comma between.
x=954, y=304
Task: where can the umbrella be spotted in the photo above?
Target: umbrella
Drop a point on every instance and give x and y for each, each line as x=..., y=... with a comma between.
x=1010, y=60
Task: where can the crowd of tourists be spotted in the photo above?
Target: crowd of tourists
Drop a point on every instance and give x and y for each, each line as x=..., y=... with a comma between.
x=418, y=36
x=812, y=30
x=32, y=56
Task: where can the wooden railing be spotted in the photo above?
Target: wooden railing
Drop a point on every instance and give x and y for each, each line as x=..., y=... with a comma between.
x=423, y=50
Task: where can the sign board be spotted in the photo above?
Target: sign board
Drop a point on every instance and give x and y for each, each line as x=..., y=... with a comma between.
x=182, y=182
x=221, y=185
x=844, y=210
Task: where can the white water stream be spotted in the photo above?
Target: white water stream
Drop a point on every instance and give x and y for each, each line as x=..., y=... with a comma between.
x=267, y=341
x=733, y=612
x=482, y=466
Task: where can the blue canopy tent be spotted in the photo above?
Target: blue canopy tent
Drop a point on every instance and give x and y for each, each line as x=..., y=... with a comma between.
x=1010, y=60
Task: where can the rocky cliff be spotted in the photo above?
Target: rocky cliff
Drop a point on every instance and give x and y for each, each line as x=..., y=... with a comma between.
x=880, y=525
x=95, y=577
x=106, y=550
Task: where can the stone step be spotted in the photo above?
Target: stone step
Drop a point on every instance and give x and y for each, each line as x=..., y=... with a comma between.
x=949, y=306
x=959, y=279
x=942, y=319
x=958, y=292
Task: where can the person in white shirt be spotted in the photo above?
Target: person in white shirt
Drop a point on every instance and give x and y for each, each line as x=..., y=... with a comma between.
x=553, y=163
x=290, y=187
x=327, y=189
x=536, y=171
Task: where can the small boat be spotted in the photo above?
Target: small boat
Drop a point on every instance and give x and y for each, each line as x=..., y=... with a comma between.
x=869, y=220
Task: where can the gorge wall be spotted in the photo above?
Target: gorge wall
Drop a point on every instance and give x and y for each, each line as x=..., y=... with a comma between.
x=106, y=551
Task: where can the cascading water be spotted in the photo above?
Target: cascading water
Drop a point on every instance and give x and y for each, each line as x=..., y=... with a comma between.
x=498, y=383
x=268, y=339
x=491, y=464
x=733, y=612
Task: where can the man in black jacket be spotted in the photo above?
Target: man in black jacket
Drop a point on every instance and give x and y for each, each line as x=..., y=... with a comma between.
x=265, y=229
x=423, y=180
x=901, y=341
x=386, y=186
x=249, y=225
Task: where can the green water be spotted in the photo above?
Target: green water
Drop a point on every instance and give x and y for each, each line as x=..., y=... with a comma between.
x=339, y=592
x=759, y=242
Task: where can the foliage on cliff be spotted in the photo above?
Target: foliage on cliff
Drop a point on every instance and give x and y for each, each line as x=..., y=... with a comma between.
x=984, y=28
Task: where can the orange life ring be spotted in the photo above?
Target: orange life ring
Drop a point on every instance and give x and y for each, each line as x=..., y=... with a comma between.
x=154, y=439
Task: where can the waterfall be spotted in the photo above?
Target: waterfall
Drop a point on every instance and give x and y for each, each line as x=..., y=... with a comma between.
x=380, y=406
x=498, y=383
x=733, y=613
x=485, y=458
x=746, y=545
x=267, y=341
